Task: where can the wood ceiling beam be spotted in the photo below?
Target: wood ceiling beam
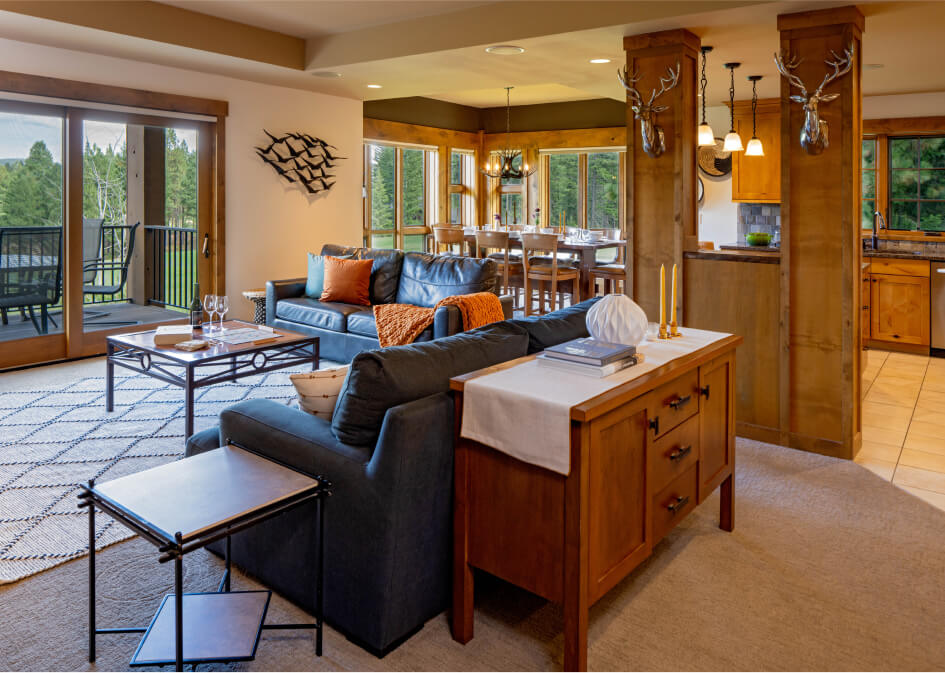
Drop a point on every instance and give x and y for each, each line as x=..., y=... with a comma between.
x=171, y=25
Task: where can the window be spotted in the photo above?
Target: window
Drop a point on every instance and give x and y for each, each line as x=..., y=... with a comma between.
x=398, y=197
x=511, y=195
x=583, y=188
x=462, y=191
x=868, y=171
x=917, y=183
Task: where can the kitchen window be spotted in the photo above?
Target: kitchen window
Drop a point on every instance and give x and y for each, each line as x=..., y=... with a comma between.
x=903, y=177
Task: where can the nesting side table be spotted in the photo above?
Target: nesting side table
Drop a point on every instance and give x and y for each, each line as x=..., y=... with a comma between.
x=181, y=507
x=258, y=297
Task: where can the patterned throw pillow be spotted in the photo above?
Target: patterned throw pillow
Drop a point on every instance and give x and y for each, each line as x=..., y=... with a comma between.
x=318, y=390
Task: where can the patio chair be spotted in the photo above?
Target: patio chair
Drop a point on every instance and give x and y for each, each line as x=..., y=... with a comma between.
x=31, y=272
x=114, y=271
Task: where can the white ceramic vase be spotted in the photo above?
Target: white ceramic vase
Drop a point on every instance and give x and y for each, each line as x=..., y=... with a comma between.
x=617, y=319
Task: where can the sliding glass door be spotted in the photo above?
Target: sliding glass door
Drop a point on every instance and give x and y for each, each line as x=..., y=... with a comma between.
x=31, y=231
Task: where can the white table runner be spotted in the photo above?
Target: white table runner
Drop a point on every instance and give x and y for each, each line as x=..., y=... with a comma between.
x=525, y=411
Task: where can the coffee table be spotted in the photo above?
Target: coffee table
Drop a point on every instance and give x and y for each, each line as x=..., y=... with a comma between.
x=137, y=352
x=184, y=506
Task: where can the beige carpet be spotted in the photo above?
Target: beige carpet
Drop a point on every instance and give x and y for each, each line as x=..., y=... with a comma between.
x=829, y=568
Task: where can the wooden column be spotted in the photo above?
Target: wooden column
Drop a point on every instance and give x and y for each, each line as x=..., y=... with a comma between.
x=820, y=243
x=661, y=191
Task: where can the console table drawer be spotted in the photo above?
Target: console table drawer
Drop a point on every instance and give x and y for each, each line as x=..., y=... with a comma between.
x=673, y=453
x=676, y=401
x=673, y=503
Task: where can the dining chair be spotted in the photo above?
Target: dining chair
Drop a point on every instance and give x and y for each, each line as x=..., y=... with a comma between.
x=510, y=267
x=547, y=269
x=448, y=236
x=613, y=274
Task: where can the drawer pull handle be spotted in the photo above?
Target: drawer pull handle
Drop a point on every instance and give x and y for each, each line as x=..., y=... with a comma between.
x=655, y=425
x=680, y=402
x=704, y=391
x=677, y=504
x=680, y=453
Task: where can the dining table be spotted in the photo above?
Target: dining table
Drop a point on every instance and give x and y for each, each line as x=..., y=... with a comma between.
x=586, y=252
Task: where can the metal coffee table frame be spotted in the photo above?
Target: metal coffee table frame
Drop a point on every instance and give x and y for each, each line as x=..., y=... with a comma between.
x=173, y=547
x=173, y=367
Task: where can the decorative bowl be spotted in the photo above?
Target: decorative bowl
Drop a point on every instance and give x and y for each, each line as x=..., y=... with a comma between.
x=758, y=238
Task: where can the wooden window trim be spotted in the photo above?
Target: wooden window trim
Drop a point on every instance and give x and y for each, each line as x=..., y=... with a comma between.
x=430, y=205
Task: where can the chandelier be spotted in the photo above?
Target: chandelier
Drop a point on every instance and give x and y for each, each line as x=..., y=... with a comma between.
x=502, y=164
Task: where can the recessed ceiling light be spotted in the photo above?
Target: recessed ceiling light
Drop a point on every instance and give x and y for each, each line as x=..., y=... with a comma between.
x=374, y=86
x=600, y=60
x=505, y=49
x=873, y=66
x=327, y=74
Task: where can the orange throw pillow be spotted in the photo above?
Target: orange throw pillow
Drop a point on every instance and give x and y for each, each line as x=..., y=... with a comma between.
x=347, y=280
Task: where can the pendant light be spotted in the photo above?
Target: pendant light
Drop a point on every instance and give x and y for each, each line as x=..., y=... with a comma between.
x=733, y=143
x=706, y=135
x=754, y=148
x=503, y=167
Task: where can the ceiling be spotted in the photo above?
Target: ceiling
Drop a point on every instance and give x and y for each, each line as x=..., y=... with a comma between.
x=435, y=48
x=309, y=19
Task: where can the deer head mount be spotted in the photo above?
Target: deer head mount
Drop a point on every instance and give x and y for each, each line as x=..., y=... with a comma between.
x=654, y=140
x=814, y=137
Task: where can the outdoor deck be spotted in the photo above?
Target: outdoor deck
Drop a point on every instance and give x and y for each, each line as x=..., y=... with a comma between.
x=95, y=319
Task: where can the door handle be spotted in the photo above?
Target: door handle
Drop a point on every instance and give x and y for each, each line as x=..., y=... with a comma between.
x=680, y=453
x=677, y=504
x=206, y=246
x=680, y=402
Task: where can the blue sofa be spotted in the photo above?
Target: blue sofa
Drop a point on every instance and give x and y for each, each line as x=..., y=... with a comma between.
x=344, y=330
x=389, y=453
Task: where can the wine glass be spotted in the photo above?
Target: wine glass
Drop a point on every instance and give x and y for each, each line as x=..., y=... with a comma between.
x=223, y=305
x=210, y=306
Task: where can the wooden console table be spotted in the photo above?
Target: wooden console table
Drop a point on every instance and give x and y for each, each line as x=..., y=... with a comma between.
x=642, y=456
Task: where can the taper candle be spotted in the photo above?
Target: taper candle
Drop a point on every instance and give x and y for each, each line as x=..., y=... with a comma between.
x=672, y=313
x=662, y=294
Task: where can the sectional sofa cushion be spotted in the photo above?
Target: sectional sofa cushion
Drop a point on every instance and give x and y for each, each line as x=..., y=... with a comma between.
x=385, y=273
x=381, y=379
x=426, y=279
x=557, y=327
x=325, y=314
x=347, y=281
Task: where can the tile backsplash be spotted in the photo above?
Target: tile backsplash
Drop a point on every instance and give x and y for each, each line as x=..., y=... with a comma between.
x=764, y=217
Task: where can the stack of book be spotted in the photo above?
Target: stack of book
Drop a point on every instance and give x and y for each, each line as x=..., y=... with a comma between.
x=590, y=357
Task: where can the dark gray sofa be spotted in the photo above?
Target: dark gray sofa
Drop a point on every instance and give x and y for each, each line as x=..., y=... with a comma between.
x=389, y=453
x=344, y=330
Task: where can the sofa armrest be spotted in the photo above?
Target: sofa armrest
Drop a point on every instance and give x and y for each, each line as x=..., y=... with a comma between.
x=281, y=289
x=508, y=305
x=291, y=437
x=447, y=321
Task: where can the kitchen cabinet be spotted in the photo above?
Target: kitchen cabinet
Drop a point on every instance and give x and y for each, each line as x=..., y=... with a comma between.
x=899, y=301
x=758, y=179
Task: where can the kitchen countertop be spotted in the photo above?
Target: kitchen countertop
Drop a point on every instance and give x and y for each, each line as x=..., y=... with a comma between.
x=736, y=255
x=753, y=248
x=904, y=254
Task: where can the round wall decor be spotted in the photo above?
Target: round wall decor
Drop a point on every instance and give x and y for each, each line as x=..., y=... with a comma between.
x=700, y=190
x=714, y=161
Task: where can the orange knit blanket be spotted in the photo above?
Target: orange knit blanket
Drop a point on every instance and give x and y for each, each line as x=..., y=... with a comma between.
x=399, y=324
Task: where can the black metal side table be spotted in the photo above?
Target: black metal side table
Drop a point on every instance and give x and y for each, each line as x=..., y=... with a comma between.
x=203, y=499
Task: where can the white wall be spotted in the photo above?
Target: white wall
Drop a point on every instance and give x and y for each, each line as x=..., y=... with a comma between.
x=904, y=105
x=718, y=215
x=269, y=225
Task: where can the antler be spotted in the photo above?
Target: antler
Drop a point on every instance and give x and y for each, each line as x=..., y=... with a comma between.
x=841, y=66
x=627, y=81
x=786, y=68
x=672, y=80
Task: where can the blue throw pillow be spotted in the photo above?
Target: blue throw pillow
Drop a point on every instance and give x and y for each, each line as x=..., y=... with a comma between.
x=316, y=276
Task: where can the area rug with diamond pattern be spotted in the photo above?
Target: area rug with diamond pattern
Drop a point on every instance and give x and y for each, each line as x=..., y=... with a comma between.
x=55, y=438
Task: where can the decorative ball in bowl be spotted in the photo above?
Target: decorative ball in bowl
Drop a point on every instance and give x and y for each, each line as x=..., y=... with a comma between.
x=758, y=238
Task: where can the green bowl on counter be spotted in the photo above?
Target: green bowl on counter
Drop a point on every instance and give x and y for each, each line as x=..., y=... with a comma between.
x=758, y=238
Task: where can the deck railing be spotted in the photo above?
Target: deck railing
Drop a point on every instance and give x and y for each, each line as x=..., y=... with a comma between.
x=171, y=265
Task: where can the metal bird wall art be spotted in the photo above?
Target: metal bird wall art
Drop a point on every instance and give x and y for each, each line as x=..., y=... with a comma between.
x=301, y=159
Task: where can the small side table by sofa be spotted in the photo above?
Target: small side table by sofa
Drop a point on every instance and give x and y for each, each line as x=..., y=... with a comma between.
x=258, y=297
x=183, y=506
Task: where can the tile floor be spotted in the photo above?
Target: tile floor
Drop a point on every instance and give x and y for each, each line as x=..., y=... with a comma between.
x=904, y=422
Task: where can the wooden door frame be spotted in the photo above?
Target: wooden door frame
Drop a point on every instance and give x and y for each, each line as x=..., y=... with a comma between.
x=81, y=101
